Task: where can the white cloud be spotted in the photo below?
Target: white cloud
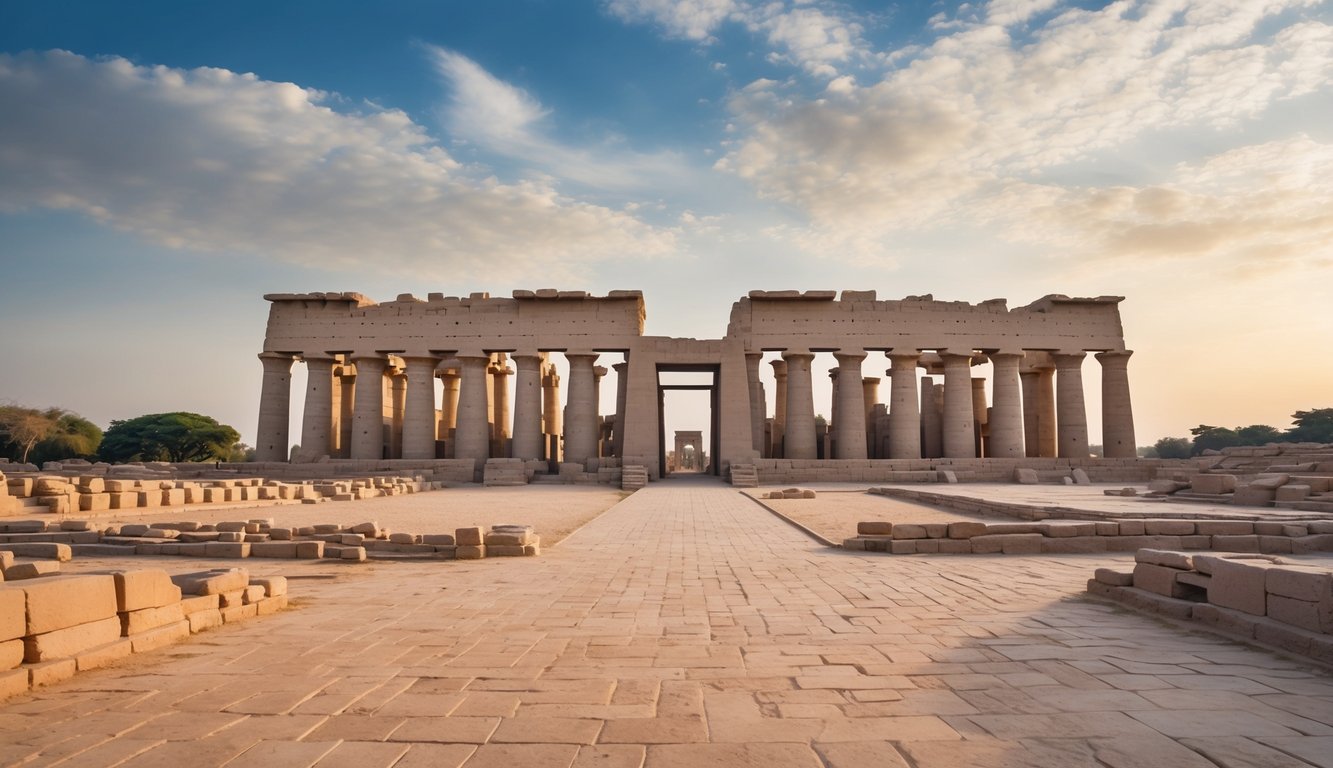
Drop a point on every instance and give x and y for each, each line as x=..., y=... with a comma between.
x=801, y=32
x=969, y=130
x=213, y=160
x=501, y=118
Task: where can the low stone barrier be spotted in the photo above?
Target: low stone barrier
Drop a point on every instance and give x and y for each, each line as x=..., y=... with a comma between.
x=260, y=538
x=991, y=470
x=1091, y=536
x=790, y=493
x=1256, y=597
x=53, y=627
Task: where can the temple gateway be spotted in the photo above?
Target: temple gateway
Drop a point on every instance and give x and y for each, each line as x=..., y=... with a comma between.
x=371, y=392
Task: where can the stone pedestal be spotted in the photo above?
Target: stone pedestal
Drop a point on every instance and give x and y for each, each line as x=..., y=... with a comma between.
x=959, y=427
x=419, y=409
x=275, y=394
x=1005, y=439
x=799, y=432
x=317, y=418
x=368, y=411
x=904, y=415
x=1117, y=414
x=850, y=427
x=1070, y=411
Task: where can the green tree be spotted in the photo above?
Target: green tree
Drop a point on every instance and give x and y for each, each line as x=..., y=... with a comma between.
x=21, y=429
x=73, y=437
x=176, y=437
x=1314, y=426
x=1213, y=438
x=1258, y=434
x=1173, y=448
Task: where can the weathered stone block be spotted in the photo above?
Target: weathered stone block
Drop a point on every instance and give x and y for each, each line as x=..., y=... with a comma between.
x=356, y=554
x=140, y=621
x=213, y=582
x=309, y=550
x=471, y=537
x=24, y=571
x=1300, y=583
x=1224, y=527
x=1168, y=559
x=1168, y=527
x=1305, y=614
x=1236, y=543
x=70, y=641
x=1238, y=584
x=160, y=637
x=280, y=549
x=1113, y=577
x=148, y=588
x=1213, y=483
x=1074, y=545
x=1025, y=476
x=198, y=603
x=470, y=551
x=1160, y=580
x=274, y=586
x=202, y=620
x=67, y=601
x=909, y=531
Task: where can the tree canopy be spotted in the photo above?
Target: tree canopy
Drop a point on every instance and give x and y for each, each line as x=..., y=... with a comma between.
x=176, y=437
x=1313, y=426
x=37, y=435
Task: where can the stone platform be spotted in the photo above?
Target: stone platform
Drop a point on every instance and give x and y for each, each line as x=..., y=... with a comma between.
x=689, y=627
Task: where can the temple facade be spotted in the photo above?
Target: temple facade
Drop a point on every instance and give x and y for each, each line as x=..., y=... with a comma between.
x=372, y=370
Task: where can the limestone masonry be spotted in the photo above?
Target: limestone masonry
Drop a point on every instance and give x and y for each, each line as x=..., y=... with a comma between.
x=371, y=391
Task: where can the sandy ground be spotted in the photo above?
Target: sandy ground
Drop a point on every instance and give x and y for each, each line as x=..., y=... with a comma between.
x=834, y=514
x=553, y=511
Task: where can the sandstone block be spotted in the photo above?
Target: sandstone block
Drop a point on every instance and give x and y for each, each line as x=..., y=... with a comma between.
x=280, y=549
x=13, y=613
x=355, y=554
x=1236, y=543
x=70, y=641
x=1300, y=583
x=1270, y=482
x=953, y=546
x=68, y=601
x=1131, y=528
x=1168, y=527
x=1025, y=476
x=1224, y=527
x=532, y=550
x=309, y=550
x=239, y=613
x=22, y=571
x=94, y=502
x=200, y=603
x=229, y=537
x=1275, y=545
x=201, y=620
x=1080, y=476
x=271, y=605
x=227, y=549
x=1253, y=496
x=1159, y=580
x=946, y=476
x=909, y=531
x=149, y=588
x=966, y=530
x=1292, y=492
x=875, y=528
x=368, y=528
x=280, y=534
x=103, y=655
x=470, y=537
x=1177, y=560
x=140, y=621
x=160, y=637
x=213, y=582
x=1214, y=484
x=274, y=586
x=439, y=539
x=1166, y=486
x=1107, y=528
x=11, y=653
x=1074, y=545
x=470, y=551
x=51, y=672
x=504, y=550
x=1305, y=614
x=43, y=549
x=253, y=594
x=1237, y=584
x=1113, y=577
x=1062, y=529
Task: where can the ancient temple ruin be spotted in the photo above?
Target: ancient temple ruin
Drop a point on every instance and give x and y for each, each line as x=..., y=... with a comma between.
x=371, y=370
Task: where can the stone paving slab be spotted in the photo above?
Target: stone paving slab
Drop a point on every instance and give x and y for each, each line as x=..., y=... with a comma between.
x=689, y=627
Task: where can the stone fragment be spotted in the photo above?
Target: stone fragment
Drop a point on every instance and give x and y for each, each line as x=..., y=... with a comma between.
x=1237, y=584
x=470, y=551
x=1025, y=476
x=471, y=537
x=1177, y=560
x=67, y=601
x=148, y=588
x=1113, y=577
x=212, y=582
x=274, y=586
x=875, y=528
x=140, y=621
x=1213, y=484
x=69, y=641
x=1080, y=476
x=22, y=571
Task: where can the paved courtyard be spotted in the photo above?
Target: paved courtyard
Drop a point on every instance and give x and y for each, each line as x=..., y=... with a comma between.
x=687, y=626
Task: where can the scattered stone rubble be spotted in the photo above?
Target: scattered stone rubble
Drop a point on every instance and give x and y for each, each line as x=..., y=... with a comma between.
x=790, y=493
x=260, y=538
x=1085, y=536
x=1295, y=476
x=53, y=627
x=1257, y=597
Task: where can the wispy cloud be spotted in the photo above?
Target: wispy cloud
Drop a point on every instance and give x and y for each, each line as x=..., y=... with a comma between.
x=977, y=128
x=214, y=160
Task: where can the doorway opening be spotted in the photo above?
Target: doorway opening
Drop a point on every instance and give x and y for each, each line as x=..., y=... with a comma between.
x=685, y=445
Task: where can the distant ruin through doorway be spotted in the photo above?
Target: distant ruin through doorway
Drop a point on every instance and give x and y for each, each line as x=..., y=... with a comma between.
x=694, y=438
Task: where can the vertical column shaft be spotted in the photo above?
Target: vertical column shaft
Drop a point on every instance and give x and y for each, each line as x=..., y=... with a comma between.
x=275, y=394
x=527, y=442
x=398, y=411
x=347, y=422
x=581, y=408
x=851, y=396
x=472, y=435
x=317, y=418
x=1117, y=412
x=904, y=414
x=959, y=426
x=779, y=433
x=368, y=411
x=622, y=399
x=1005, y=439
x=870, y=396
x=1071, y=414
x=932, y=430
x=598, y=373
x=448, y=402
x=799, y=431
x=1031, y=447
x=756, y=388
x=1046, y=412
x=419, y=410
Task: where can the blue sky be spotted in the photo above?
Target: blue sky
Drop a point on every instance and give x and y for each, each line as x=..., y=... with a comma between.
x=163, y=167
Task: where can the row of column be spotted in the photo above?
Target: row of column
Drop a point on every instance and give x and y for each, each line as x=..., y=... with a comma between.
x=476, y=407
x=1029, y=409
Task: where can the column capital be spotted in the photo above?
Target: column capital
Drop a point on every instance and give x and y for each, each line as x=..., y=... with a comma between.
x=779, y=367
x=798, y=354
x=849, y=356
x=620, y=367
x=1069, y=358
x=1114, y=357
x=316, y=357
x=870, y=379
x=275, y=359
x=956, y=357
x=1016, y=354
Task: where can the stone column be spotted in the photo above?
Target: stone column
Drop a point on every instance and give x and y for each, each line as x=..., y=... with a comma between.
x=472, y=435
x=1117, y=414
x=870, y=396
x=398, y=409
x=959, y=427
x=1046, y=412
x=1031, y=447
x=346, y=422
x=527, y=441
x=799, y=431
x=274, y=407
x=779, y=433
x=904, y=415
x=1006, y=413
x=448, y=402
x=979, y=417
x=419, y=411
x=581, y=409
x=932, y=431
x=851, y=398
x=598, y=372
x=500, y=432
x=368, y=412
x=758, y=414
x=552, y=421
x=622, y=398
x=1071, y=414
x=317, y=419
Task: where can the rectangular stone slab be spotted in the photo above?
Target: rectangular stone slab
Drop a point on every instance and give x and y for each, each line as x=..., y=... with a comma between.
x=65, y=601
x=71, y=641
